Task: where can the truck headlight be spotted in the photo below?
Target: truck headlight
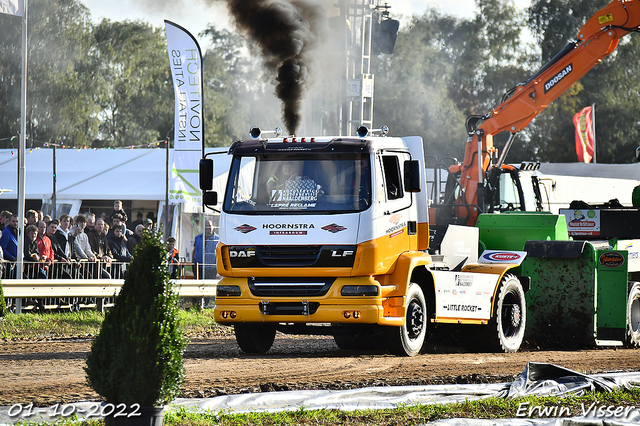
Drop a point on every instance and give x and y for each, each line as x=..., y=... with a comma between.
x=228, y=290
x=359, y=290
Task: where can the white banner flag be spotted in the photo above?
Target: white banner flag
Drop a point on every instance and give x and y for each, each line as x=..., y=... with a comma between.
x=12, y=7
x=184, y=185
x=185, y=59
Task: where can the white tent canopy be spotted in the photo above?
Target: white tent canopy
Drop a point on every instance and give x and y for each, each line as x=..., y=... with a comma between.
x=92, y=174
x=108, y=174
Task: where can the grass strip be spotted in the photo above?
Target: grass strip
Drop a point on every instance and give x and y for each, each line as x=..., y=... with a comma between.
x=85, y=324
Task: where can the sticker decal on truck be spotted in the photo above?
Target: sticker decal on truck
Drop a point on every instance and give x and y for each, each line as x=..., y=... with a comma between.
x=464, y=295
x=502, y=256
x=334, y=228
x=245, y=228
x=611, y=259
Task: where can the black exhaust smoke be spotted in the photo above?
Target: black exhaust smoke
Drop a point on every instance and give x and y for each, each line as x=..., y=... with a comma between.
x=287, y=33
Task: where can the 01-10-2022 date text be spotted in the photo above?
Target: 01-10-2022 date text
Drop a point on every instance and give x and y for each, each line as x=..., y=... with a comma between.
x=68, y=410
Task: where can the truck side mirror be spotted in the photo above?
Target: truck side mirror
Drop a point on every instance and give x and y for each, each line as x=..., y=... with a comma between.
x=210, y=198
x=412, y=176
x=206, y=174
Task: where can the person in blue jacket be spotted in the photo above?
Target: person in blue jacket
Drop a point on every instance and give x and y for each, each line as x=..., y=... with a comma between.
x=9, y=244
x=208, y=270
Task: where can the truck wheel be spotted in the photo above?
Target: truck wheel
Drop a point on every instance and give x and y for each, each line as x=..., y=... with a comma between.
x=408, y=339
x=633, y=316
x=255, y=338
x=510, y=317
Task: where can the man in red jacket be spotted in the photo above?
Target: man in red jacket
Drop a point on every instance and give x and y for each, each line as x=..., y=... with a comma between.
x=44, y=246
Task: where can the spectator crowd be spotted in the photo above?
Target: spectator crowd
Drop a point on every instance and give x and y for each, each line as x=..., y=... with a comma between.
x=79, y=247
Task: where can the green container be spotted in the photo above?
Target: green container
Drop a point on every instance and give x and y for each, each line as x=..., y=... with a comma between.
x=510, y=231
x=578, y=294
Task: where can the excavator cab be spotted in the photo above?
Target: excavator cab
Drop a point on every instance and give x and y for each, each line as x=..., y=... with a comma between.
x=508, y=188
x=515, y=189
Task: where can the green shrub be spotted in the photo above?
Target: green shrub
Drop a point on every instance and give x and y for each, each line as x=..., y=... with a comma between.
x=3, y=304
x=137, y=356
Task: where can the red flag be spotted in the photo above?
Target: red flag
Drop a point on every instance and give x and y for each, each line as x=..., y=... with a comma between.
x=585, y=141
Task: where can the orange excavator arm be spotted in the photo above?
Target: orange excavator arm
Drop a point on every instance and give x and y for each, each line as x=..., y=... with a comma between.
x=598, y=37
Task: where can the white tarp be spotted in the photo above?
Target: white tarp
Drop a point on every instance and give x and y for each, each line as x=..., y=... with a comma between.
x=611, y=171
x=592, y=183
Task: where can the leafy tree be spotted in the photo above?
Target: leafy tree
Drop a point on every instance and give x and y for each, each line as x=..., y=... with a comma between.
x=490, y=56
x=224, y=86
x=10, y=77
x=614, y=87
x=412, y=87
x=135, y=81
x=59, y=95
x=554, y=23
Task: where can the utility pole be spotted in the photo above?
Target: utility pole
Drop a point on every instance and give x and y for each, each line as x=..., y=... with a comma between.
x=356, y=97
x=55, y=183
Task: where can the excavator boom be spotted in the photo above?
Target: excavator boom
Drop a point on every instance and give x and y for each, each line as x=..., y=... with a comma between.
x=597, y=38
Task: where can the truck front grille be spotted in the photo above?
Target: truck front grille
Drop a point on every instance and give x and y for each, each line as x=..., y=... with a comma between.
x=290, y=287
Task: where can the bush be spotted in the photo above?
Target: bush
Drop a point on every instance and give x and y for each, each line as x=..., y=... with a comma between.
x=3, y=304
x=137, y=356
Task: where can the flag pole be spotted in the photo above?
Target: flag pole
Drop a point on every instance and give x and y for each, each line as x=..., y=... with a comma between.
x=593, y=128
x=22, y=169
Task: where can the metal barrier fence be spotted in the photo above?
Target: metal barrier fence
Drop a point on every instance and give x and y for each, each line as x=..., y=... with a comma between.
x=76, y=285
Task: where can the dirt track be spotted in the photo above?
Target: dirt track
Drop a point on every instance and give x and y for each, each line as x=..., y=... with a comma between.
x=49, y=372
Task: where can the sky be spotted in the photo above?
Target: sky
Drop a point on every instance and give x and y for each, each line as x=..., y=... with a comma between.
x=195, y=15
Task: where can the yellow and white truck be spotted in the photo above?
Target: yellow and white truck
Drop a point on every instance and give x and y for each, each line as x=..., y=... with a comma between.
x=330, y=236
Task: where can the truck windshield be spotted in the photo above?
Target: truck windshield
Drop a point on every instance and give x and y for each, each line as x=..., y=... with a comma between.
x=306, y=184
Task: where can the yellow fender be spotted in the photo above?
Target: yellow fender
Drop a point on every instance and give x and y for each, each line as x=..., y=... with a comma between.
x=394, y=286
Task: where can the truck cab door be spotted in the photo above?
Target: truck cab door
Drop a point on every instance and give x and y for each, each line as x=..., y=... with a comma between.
x=393, y=212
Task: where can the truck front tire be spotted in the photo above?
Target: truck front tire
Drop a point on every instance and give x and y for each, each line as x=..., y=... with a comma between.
x=408, y=339
x=510, y=317
x=633, y=316
x=255, y=338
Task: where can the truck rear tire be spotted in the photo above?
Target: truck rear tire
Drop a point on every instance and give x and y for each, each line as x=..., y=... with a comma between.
x=255, y=338
x=633, y=316
x=408, y=339
x=510, y=317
